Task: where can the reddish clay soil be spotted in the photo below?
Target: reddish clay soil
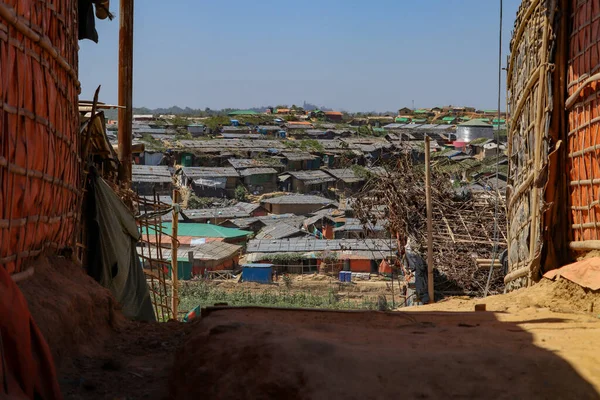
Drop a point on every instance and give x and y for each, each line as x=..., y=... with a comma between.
x=74, y=313
x=521, y=348
x=302, y=354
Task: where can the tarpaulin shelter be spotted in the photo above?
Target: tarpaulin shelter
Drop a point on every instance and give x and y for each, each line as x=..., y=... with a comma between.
x=112, y=255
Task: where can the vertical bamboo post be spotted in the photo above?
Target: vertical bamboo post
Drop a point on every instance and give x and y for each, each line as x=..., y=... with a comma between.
x=174, y=246
x=429, y=220
x=125, y=88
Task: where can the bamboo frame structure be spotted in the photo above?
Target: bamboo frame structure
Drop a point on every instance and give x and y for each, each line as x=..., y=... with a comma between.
x=530, y=103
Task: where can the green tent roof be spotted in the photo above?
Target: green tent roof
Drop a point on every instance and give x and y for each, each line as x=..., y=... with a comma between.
x=448, y=118
x=421, y=111
x=402, y=119
x=378, y=130
x=496, y=120
x=243, y=112
x=205, y=231
x=419, y=121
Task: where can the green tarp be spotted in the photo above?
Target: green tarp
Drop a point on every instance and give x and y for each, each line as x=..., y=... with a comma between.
x=112, y=255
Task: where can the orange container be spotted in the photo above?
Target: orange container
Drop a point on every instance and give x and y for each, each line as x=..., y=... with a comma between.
x=39, y=144
x=583, y=105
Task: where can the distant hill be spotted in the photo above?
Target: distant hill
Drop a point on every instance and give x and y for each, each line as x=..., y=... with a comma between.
x=198, y=112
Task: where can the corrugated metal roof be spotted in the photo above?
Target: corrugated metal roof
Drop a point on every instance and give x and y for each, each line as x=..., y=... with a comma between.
x=151, y=178
x=249, y=136
x=354, y=225
x=345, y=174
x=312, y=177
x=279, y=230
x=298, y=199
x=215, y=251
x=298, y=156
x=241, y=163
x=232, y=144
x=258, y=171
x=158, y=170
x=205, y=172
x=303, y=245
x=239, y=210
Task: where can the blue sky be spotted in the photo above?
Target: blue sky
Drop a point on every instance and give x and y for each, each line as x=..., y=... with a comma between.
x=354, y=55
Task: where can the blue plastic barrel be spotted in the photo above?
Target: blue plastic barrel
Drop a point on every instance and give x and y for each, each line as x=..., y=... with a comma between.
x=348, y=276
x=342, y=276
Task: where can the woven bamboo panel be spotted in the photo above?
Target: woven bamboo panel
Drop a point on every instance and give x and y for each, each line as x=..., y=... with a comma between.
x=39, y=167
x=529, y=105
x=584, y=122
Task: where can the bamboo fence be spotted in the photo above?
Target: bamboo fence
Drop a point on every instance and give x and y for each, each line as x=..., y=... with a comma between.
x=530, y=103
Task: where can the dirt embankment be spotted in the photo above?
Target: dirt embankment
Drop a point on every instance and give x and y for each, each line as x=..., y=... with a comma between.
x=560, y=296
x=73, y=312
x=523, y=349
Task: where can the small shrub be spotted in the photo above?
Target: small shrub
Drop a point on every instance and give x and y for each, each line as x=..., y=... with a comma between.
x=287, y=281
x=240, y=193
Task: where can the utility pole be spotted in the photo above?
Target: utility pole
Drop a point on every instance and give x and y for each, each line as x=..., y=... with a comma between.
x=125, y=88
x=429, y=220
x=174, y=246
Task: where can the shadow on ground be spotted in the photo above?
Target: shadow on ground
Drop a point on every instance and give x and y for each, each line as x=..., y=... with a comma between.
x=309, y=354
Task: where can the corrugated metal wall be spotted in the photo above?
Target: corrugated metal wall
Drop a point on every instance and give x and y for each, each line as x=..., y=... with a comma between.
x=39, y=144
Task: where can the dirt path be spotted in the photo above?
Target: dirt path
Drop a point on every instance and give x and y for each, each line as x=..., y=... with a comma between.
x=424, y=354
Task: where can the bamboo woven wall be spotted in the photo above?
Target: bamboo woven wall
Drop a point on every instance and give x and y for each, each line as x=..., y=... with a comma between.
x=530, y=107
x=39, y=166
x=584, y=124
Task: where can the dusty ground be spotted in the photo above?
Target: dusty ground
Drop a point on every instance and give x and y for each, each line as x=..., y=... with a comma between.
x=303, y=354
x=535, y=343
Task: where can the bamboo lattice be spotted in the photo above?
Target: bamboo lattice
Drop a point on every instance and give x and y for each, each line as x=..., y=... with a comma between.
x=530, y=108
x=39, y=143
x=584, y=124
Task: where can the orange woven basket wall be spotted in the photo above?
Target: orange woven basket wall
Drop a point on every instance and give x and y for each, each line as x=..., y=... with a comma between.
x=584, y=123
x=39, y=167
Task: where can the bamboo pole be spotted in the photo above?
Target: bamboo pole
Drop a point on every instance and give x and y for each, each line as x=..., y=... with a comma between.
x=429, y=220
x=174, y=245
x=125, y=89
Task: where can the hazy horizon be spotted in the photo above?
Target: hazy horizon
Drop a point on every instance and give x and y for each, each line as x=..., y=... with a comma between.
x=355, y=59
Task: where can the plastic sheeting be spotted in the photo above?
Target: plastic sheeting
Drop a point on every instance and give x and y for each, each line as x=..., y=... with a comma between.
x=113, y=260
x=26, y=367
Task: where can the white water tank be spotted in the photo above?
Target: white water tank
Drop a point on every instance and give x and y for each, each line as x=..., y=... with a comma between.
x=474, y=129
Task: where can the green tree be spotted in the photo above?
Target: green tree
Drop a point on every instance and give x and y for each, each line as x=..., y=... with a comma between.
x=240, y=193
